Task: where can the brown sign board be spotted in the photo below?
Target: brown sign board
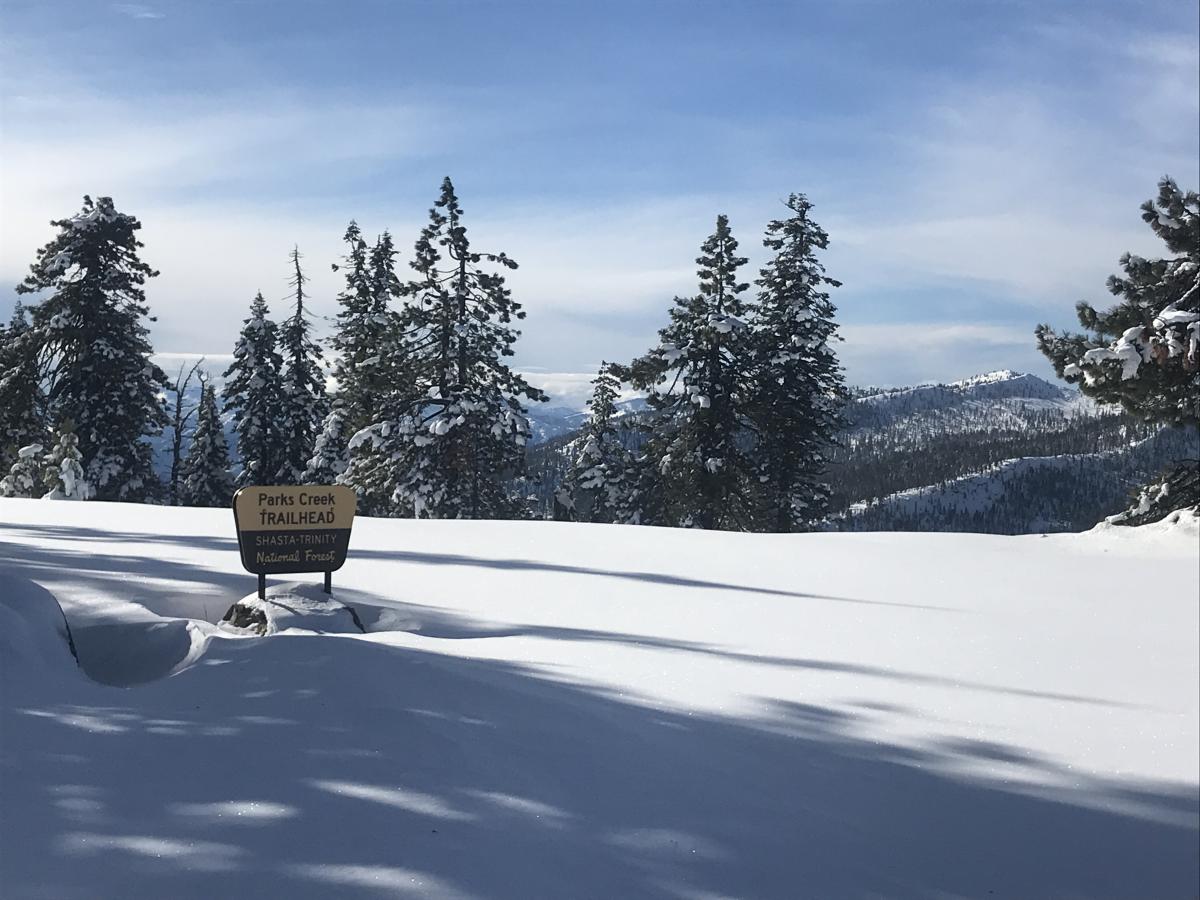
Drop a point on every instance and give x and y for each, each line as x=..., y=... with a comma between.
x=302, y=528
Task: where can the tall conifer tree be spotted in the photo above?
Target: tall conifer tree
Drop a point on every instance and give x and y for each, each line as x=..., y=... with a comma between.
x=303, y=385
x=206, y=478
x=596, y=485
x=700, y=383
x=1144, y=352
x=92, y=335
x=454, y=431
x=798, y=392
x=365, y=326
x=253, y=390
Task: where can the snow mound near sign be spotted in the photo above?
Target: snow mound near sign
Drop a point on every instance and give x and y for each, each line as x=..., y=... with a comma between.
x=37, y=643
x=303, y=607
x=33, y=632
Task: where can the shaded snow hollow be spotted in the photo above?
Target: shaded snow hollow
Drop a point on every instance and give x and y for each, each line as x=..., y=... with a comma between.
x=554, y=710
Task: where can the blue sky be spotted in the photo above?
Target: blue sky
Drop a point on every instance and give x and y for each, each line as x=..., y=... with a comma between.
x=978, y=165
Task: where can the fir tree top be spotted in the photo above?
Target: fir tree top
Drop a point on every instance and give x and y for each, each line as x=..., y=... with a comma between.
x=355, y=298
x=254, y=392
x=465, y=305
x=97, y=242
x=719, y=262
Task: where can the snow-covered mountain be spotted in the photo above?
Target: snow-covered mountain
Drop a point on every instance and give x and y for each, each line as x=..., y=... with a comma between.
x=1064, y=492
x=982, y=401
x=550, y=710
x=1001, y=452
x=548, y=422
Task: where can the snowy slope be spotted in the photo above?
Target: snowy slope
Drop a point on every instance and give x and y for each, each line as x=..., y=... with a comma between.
x=1001, y=452
x=1031, y=493
x=994, y=399
x=548, y=422
x=571, y=711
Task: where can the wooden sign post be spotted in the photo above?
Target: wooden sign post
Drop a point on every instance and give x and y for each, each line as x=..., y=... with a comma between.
x=293, y=529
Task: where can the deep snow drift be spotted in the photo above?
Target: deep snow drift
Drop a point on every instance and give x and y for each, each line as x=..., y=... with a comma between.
x=570, y=711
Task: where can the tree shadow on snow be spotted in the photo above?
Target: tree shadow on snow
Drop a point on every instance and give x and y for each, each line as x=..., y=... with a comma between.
x=519, y=565
x=438, y=623
x=204, y=592
x=309, y=766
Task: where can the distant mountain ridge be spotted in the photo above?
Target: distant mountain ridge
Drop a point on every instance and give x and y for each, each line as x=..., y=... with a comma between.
x=1002, y=451
x=1016, y=393
x=1065, y=492
x=999, y=452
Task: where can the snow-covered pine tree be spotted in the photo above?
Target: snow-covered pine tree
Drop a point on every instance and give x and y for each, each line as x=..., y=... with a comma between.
x=594, y=489
x=365, y=326
x=331, y=454
x=699, y=382
x=797, y=397
x=62, y=467
x=304, y=403
x=91, y=334
x=206, y=478
x=22, y=400
x=24, y=478
x=450, y=436
x=642, y=498
x=1144, y=352
x=253, y=390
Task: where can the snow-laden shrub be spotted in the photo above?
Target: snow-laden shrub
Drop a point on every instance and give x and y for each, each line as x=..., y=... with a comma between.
x=24, y=478
x=62, y=474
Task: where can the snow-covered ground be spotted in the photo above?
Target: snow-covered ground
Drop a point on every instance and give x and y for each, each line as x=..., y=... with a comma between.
x=543, y=710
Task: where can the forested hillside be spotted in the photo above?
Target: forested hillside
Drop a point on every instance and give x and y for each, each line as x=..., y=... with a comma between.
x=1004, y=453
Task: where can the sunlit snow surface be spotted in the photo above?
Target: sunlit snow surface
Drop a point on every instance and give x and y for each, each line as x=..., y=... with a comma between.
x=571, y=711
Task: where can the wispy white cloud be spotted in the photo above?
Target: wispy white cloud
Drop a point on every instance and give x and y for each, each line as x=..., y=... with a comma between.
x=138, y=11
x=572, y=389
x=1018, y=191
x=907, y=353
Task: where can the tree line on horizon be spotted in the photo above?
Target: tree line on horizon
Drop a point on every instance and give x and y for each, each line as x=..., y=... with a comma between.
x=427, y=419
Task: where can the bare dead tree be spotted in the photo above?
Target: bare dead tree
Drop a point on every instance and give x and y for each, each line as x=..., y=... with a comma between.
x=181, y=412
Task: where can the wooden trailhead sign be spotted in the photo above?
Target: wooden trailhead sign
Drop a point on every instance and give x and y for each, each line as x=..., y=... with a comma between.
x=302, y=528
